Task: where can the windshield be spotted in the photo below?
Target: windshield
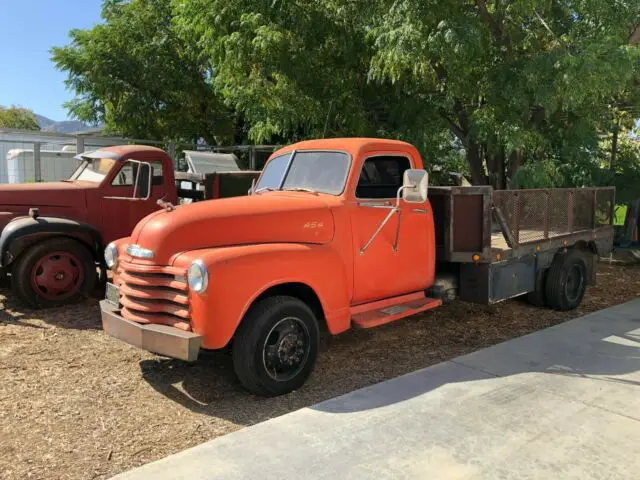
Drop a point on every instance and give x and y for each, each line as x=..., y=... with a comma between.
x=93, y=169
x=324, y=172
x=213, y=162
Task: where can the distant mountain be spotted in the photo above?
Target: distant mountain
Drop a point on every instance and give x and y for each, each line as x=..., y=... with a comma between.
x=43, y=121
x=66, y=126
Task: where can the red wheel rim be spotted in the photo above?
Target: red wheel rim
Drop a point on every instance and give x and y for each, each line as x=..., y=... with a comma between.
x=57, y=275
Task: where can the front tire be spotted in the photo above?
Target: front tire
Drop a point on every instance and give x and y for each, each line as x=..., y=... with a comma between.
x=52, y=273
x=276, y=346
x=567, y=281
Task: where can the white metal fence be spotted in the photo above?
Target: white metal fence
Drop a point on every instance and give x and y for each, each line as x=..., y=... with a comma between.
x=27, y=156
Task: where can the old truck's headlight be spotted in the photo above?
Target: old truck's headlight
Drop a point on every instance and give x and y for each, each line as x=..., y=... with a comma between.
x=138, y=252
x=197, y=276
x=111, y=255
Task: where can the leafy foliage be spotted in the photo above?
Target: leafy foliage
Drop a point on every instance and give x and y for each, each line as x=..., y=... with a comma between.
x=542, y=174
x=16, y=117
x=516, y=80
x=525, y=91
x=134, y=74
x=625, y=174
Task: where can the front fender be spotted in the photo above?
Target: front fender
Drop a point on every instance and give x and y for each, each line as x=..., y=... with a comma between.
x=238, y=275
x=22, y=232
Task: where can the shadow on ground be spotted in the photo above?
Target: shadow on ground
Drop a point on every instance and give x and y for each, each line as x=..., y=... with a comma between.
x=81, y=316
x=210, y=387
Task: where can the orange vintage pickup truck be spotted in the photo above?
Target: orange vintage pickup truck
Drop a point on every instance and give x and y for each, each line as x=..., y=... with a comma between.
x=339, y=234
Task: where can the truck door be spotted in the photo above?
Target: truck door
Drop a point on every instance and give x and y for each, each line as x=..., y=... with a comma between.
x=120, y=210
x=400, y=258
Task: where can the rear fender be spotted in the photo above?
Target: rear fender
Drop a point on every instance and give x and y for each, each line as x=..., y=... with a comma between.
x=22, y=232
x=239, y=275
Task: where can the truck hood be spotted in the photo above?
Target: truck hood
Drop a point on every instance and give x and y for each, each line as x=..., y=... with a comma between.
x=274, y=217
x=46, y=194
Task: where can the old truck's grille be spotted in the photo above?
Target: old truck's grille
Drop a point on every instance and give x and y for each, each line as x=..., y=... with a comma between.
x=154, y=295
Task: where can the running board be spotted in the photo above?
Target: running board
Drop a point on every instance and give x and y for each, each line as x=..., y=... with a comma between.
x=381, y=316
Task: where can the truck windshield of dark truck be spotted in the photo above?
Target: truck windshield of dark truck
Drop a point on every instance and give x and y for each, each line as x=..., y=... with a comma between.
x=93, y=169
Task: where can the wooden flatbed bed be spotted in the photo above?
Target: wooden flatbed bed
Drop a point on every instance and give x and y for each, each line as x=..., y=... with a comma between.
x=499, y=241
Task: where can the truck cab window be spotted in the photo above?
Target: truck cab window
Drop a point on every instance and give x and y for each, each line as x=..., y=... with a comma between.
x=127, y=174
x=381, y=177
x=157, y=177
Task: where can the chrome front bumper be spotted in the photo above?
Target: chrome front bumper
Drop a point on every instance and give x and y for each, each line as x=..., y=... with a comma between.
x=161, y=339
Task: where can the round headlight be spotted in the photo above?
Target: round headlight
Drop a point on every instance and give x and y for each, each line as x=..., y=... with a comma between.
x=197, y=276
x=111, y=255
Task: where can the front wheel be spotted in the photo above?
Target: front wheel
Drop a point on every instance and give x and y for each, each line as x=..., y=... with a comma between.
x=53, y=272
x=276, y=346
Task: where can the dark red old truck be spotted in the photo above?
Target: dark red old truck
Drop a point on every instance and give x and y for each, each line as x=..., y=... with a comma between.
x=53, y=234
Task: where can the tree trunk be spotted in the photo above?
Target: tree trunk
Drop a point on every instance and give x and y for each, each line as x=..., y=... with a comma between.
x=630, y=223
x=476, y=166
x=614, y=148
x=500, y=183
x=515, y=162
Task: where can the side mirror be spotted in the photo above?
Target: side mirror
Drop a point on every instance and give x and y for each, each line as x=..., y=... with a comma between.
x=415, y=185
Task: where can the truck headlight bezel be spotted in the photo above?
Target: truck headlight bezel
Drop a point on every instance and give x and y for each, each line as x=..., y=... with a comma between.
x=111, y=255
x=198, y=276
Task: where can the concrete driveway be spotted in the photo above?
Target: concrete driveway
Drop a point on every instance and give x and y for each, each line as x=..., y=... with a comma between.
x=560, y=403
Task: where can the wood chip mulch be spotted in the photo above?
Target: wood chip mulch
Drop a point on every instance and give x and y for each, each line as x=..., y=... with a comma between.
x=77, y=404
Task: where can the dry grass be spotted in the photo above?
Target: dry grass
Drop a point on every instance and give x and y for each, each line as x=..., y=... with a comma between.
x=77, y=404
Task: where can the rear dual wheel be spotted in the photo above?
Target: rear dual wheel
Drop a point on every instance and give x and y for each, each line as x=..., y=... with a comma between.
x=566, y=281
x=564, y=284
x=53, y=272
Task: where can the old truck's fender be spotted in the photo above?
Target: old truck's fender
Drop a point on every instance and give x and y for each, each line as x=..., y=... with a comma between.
x=22, y=232
x=239, y=275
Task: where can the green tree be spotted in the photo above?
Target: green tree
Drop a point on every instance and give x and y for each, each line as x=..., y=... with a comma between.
x=514, y=80
x=134, y=74
x=16, y=117
x=511, y=84
x=293, y=69
x=302, y=69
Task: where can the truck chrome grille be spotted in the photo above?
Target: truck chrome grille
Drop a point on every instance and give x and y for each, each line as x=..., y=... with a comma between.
x=154, y=295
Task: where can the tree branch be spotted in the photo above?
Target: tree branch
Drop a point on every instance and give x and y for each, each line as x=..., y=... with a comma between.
x=545, y=24
x=455, y=128
x=488, y=20
x=439, y=69
x=461, y=114
x=634, y=39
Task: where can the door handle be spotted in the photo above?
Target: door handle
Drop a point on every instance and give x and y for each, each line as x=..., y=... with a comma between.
x=385, y=205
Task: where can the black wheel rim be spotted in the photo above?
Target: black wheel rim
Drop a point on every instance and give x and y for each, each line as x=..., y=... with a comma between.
x=575, y=283
x=286, y=349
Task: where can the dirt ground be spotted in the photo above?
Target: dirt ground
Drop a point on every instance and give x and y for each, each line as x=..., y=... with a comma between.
x=77, y=404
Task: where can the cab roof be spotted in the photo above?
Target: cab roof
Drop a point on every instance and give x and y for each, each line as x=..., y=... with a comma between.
x=120, y=151
x=354, y=146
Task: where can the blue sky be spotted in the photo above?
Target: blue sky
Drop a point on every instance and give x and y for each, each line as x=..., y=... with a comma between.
x=28, y=29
